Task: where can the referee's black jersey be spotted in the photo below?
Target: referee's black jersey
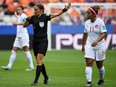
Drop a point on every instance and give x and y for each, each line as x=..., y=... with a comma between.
x=40, y=25
x=40, y=40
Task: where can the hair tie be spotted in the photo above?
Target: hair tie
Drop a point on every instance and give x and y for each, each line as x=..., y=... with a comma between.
x=93, y=11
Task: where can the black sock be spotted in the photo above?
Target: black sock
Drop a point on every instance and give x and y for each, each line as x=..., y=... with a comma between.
x=44, y=72
x=38, y=71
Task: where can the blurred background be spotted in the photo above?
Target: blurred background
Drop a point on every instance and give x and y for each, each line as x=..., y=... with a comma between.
x=64, y=32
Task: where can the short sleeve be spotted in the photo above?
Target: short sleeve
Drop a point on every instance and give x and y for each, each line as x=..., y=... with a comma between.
x=23, y=17
x=48, y=17
x=103, y=27
x=85, y=28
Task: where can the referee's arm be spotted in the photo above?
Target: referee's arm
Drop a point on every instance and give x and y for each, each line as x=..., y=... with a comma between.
x=61, y=12
x=26, y=23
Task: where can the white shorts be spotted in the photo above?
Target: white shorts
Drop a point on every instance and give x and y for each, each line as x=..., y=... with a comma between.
x=96, y=54
x=20, y=42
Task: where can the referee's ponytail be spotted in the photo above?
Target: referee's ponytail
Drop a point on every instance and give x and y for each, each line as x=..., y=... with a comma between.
x=40, y=6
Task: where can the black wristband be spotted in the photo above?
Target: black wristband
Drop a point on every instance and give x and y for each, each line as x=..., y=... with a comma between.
x=64, y=10
x=27, y=19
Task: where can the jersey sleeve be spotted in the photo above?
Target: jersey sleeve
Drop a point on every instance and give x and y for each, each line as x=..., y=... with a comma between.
x=85, y=28
x=48, y=17
x=23, y=17
x=103, y=27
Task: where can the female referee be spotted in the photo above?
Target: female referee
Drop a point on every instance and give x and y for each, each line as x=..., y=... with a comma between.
x=93, y=45
x=40, y=42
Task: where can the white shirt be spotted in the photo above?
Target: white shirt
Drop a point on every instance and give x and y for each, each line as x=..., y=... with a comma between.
x=21, y=32
x=94, y=30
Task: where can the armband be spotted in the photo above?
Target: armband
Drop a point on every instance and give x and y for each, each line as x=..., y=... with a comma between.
x=64, y=10
x=27, y=19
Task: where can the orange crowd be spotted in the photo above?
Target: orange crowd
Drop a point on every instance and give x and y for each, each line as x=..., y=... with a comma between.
x=8, y=7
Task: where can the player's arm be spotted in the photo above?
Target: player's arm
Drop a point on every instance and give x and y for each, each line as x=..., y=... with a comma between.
x=103, y=34
x=16, y=14
x=23, y=19
x=15, y=23
x=61, y=12
x=99, y=39
x=84, y=41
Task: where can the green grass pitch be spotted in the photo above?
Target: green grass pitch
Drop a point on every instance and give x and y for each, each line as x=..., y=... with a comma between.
x=65, y=68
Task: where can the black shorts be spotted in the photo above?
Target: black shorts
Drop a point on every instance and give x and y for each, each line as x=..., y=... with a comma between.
x=40, y=47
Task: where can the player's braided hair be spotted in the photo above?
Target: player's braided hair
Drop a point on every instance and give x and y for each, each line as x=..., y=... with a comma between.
x=96, y=8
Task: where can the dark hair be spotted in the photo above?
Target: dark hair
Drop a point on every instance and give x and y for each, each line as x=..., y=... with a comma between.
x=40, y=6
x=21, y=7
x=96, y=8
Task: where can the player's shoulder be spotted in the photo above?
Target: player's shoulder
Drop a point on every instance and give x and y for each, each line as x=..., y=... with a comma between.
x=87, y=21
x=99, y=20
x=23, y=15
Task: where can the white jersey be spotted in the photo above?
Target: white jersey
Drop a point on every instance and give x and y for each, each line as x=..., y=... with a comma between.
x=94, y=30
x=21, y=32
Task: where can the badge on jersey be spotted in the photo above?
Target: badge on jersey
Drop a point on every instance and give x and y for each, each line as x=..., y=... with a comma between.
x=41, y=24
x=47, y=14
x=96, y=26
x=104, y=27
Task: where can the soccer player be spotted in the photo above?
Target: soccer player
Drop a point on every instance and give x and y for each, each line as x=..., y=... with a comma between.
x=40, y=41
x=93, y=45
x=21, y=41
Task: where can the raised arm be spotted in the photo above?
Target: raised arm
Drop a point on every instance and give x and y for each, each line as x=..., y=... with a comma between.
x=16, y=14
x=61, y=12
x=23, y=18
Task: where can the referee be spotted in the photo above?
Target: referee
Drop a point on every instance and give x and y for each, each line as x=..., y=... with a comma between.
x=40, y=41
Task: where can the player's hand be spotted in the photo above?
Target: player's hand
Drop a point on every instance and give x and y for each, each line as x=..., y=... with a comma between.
x=14, y=23
x=83, y=50
x=15, y=13
x=68, y=6
x=94, y=44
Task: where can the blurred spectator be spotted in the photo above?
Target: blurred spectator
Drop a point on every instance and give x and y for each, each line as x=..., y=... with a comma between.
x=29, y=9
x=54, y=1
x=1, y=14
x=80, y=1
x=44, y=1
x=65, y=1
x=74, y=13
x=113, y=20
x=77, y=15
x=10, y=6
x=24, y=2
x=95, y=1
x=1, y=2
x=111, y=1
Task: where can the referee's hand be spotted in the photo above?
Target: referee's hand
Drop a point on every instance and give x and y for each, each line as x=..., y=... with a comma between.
x=68, y=6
